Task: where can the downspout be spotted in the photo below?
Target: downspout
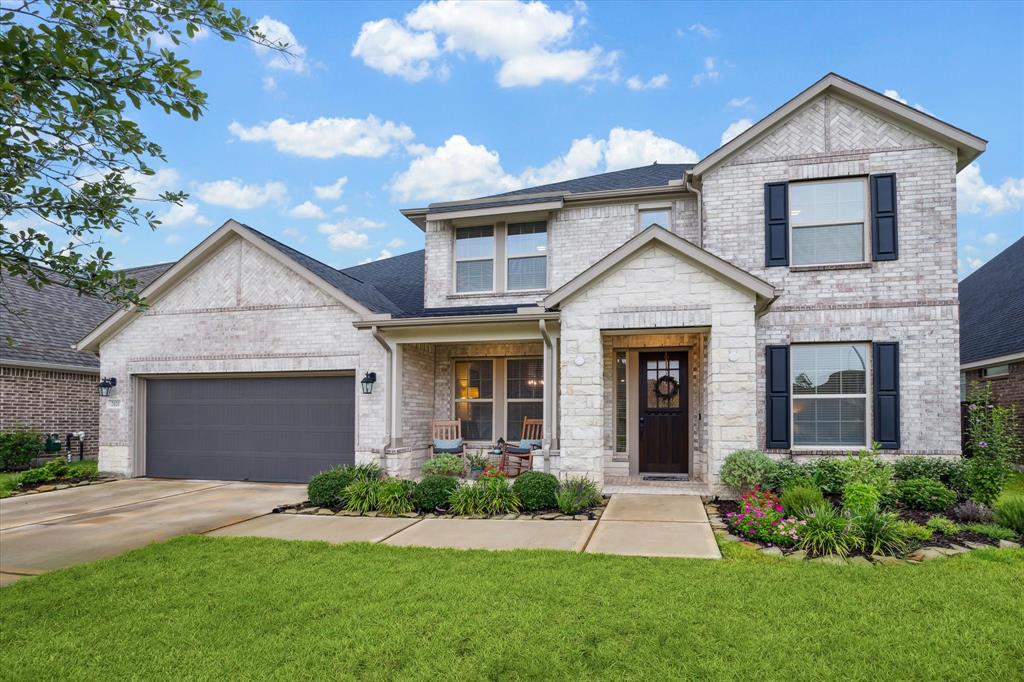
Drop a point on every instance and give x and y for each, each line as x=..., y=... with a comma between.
x=700, y=208
x=549, y=391
x=389, y=383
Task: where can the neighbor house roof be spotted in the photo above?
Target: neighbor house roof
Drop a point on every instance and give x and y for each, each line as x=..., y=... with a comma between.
x=992, y=309
x=968, y=147
x=41, y=325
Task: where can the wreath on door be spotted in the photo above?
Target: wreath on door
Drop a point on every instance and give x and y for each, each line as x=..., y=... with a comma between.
x=666, y=387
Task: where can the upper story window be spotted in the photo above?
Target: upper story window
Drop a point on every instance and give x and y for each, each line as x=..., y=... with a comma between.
x=827, y=221
x=474, y=258
x=830, y=394
x=526, y=248
x=656, y=216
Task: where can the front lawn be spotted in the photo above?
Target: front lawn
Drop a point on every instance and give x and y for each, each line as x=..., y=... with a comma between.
x=243, y=608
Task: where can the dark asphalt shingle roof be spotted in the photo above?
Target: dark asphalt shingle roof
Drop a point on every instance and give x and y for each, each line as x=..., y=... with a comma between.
x=655, y=175
x=992, y=307
x=44, y=324
x=399, y=278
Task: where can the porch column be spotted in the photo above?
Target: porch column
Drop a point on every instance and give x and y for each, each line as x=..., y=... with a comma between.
x=582, y=401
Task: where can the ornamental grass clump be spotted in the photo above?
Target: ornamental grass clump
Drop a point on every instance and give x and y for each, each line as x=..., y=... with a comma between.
x=497, y=495
x=1010, y=513
x=761, y=519
x=327, y=489
x=913, y=531
x=394, y=496
x=827, y=531
x=577, y=494
x=991, y=531
x=879, y=533
x=362, y=495
x=798, y=501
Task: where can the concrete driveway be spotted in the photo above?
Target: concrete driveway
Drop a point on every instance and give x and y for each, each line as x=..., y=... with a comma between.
x=40, y=533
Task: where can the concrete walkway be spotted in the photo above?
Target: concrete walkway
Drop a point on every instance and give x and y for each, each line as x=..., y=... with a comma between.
x=635, y=525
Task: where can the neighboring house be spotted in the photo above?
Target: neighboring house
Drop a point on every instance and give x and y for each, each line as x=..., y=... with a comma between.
x=992, y=328
x=45, y=384
x=796, y=290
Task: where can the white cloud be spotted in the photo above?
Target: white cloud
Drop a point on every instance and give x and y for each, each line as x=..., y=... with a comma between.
x=296, y=234
x=326, y=138
x=384, y=253
x=388, y=46
x=975, y=263
x=269, y=83
x=150, y=186
x=893, y=94
x=991, y=238
x=348, y=240
x=970, y=248
x=331, y=191
x=653, y=83
x=172, y=239
x=700, y=29
x=455, y=170
x=235, y=194
x=350, y=225
x=735, y=128
x=709, y=73
x=307, y=210
x=459, y=169
x=277, y=33
x=974, y=195
x=183, y=213
x=396, y=243
x=528, y=39
x=737, y=102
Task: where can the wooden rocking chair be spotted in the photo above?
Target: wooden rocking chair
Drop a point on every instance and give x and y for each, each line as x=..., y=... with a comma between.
x=517, y=457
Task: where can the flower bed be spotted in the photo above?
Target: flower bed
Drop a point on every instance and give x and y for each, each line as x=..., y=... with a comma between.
x=365, y=491
x=57, y=474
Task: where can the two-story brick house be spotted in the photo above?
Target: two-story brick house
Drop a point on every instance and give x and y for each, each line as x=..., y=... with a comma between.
x=794, y=291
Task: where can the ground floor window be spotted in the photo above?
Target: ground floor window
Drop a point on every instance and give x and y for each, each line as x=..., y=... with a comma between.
x=620, y=402
x=524, y=380
x=494, y=395
x=474, y=398
x=829, y=385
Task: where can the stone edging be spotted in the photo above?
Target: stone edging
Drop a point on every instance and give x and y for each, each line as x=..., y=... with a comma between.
x=301, y=508
x=50, y=487
x=721, y=530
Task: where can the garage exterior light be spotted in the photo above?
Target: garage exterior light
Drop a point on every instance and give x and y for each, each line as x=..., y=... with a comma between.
x=106, y=385
x=368, y=381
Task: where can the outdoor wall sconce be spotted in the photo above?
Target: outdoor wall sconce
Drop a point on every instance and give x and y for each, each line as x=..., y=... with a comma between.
x=106, y=385
x=368, y=381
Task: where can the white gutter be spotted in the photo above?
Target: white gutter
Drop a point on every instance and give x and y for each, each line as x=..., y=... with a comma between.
x=453, y=319
x=389, y=383
x=997, y=360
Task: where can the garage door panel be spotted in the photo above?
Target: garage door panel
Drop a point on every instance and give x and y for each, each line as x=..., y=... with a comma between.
x=258, y=429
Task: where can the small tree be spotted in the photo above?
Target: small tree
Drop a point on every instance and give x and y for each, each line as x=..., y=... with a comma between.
x=993, y=442
x=70, y=71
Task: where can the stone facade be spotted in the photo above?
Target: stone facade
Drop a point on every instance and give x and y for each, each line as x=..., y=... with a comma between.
x=48, y=401
x=239, y=311
x=912, y=300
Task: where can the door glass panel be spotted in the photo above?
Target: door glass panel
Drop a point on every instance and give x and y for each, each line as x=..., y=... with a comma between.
x=663, y=382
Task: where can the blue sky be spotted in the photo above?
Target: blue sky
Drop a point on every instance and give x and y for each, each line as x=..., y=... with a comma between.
x=386, y=106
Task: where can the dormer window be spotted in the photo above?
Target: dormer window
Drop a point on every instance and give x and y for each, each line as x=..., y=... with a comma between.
x=661, y=217
x=474, y=259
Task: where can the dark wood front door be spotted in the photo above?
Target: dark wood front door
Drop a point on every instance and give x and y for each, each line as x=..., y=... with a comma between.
x=664, y=404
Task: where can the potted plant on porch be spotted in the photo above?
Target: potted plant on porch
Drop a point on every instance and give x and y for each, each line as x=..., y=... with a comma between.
x=476, y=461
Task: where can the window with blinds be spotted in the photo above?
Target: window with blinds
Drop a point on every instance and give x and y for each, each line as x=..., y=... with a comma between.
x=827, y=220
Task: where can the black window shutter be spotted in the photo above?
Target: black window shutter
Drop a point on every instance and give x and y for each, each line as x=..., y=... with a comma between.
x=777, y=396
x=884, y=241
x=776, y=224
x=887, y=395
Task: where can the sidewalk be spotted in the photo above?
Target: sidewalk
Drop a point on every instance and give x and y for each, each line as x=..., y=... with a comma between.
x=634, y=525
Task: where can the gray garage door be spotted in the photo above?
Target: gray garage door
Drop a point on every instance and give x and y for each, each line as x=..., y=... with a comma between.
x=249, y=429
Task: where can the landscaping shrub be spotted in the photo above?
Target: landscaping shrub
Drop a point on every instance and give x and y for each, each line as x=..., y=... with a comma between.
x=860, y=498
x=914, y=531
x=942, y=526
x=747, y=469
x=925, y=494
x=362, y=495
x=761, y=518
x=536, y=490
x=829, y=476
x=970, y=511
x=992, y=443
x=327, y=489
x=59, y=467
x=467, y=500
x=18, y=447
x=798, y=501
x=36, y=476
x=443, y=465
x=497, y=495
x=788, y=474
x=433, y=493
x=577, y=494
x=1010, y=513
x=991, y=530
x=879, y=532
x=827, y=531
x=832, y=474
x=394, y=496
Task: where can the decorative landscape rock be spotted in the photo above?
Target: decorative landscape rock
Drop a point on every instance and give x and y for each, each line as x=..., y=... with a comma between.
x=1008, y=544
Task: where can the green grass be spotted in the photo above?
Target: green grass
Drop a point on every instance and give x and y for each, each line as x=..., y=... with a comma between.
x=9, y=480
x=244, y=608
x=1015, y=484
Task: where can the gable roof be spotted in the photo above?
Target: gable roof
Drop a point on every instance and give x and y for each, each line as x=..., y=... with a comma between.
x=657, y=234
x=968, y=147
x=992, y=308
x=399, y=279
x=45, y=323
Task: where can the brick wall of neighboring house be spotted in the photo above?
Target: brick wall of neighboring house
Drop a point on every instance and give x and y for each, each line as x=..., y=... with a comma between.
x=48, y=402
x=1007, y=390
